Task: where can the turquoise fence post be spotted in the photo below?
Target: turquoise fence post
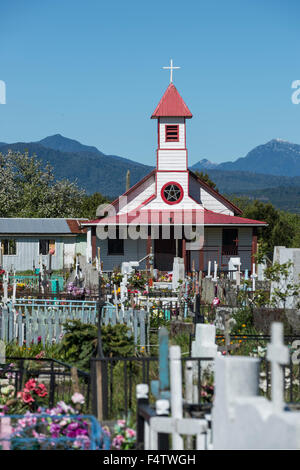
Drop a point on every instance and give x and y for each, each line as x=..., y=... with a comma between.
x=161, y=388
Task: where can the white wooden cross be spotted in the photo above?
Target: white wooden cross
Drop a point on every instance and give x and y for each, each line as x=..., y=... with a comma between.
x=171, y=68
x=253, y=277
x=278, y=355
x=175, y=424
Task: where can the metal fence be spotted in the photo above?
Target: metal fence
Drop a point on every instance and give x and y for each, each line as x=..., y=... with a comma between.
x=60, y=379
x=114, y=380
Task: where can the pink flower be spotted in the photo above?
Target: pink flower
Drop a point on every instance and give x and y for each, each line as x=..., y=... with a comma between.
x=30, y=385
x=41, y=390
x=26, y=397
x=130, y=432
x=78, y=398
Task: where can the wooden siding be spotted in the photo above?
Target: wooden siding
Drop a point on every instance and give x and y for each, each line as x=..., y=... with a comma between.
x=213, y=248
x=28, y=252
x=138, y=196
x=134, y=250
x=208, y=200
x=172, y=160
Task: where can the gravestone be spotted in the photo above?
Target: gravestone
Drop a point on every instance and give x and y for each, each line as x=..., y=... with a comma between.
x=178, y=272
x=234, y=265
x=241, y=418
x=283, y=255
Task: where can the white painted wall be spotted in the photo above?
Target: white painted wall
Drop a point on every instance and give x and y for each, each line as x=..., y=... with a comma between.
x=137, y=196
x=208, y=200
x=172, y=159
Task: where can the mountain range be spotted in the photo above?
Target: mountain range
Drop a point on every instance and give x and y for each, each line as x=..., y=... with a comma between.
x=277, y=157
x=275, y=164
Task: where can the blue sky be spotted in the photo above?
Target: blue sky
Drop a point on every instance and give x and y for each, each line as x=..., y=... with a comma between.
x=92, y=70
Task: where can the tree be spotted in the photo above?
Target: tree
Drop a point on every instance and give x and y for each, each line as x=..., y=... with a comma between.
x=278, y=230
x=90, y=204
x=29, y=189
x=206, y=179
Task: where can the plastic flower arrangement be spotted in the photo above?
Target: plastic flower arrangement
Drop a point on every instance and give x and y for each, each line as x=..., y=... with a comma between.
x=166, y=277
x=32, y=394
x=137, y=281
x=207, y=393
x=61, y=427
x=116, y=278
x=124, y=436
x=77, y=291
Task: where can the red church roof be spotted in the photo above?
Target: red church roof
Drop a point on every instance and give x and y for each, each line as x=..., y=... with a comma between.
x=177, y=217
x=171, y=105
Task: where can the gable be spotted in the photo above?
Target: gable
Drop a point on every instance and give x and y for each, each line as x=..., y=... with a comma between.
x=209, y=198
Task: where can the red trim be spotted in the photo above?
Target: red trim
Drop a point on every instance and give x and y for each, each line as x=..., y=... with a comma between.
x=163, y=196
x=201, y=260
x=94, y=242
x=253, y=248
x=158, y=133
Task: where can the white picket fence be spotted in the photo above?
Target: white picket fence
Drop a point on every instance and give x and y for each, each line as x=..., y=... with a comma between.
x=26, y=324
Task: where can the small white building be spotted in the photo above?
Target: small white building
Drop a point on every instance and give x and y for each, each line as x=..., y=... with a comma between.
x=162, y=210
x=26, y=241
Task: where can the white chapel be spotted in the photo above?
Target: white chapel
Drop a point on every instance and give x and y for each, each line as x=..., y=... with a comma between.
x=161, y=213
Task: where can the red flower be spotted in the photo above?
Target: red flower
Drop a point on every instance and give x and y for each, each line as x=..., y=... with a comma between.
x=41, y=390
x=30, y=385
x=26, y=397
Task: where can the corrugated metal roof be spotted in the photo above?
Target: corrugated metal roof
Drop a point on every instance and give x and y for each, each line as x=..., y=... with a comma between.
x=171, y=104
x=34, y=226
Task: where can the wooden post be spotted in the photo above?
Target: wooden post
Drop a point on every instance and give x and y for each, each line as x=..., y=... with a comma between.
x=127, y=180
x=149, y=248
x=254, y=246
x=201, y=260
x=184, y=254
x=94, y=239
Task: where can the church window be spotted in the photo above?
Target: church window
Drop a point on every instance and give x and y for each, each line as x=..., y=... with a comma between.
x=115, y=246
x=230, y=242
x=172, y=193
x=172, y=133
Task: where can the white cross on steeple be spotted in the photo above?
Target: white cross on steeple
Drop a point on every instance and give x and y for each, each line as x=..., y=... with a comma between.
x=171, y=68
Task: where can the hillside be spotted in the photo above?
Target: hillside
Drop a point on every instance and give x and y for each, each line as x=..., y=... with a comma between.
x=95, y=171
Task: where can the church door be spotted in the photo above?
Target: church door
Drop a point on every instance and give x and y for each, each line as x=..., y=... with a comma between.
x=164, y=253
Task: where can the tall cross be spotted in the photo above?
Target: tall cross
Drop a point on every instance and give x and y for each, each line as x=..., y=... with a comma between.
x=278, y=355
x=171, y=68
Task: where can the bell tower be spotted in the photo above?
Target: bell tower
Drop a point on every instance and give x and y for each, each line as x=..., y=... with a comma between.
x=172, y=162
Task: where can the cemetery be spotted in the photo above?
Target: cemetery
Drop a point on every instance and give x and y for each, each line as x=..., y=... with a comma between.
x=116, y=336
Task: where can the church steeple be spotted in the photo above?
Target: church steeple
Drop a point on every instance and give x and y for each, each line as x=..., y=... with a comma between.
x=171, y=113
x=171, y=105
